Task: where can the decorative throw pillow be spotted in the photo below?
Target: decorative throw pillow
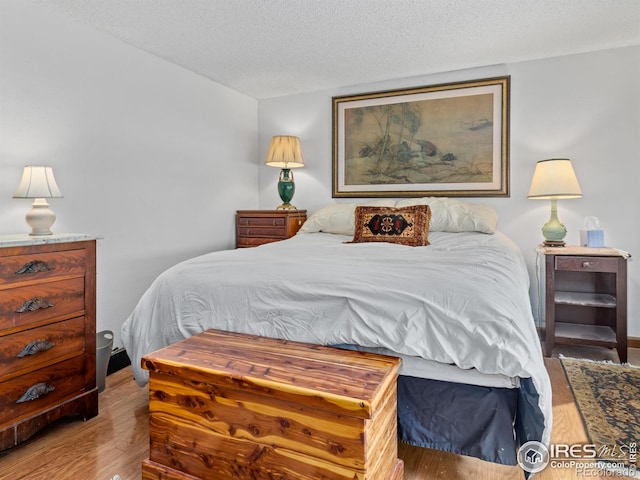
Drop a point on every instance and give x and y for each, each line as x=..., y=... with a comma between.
x=406, y=226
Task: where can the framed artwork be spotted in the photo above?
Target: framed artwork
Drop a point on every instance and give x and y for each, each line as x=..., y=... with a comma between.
x=440, y=140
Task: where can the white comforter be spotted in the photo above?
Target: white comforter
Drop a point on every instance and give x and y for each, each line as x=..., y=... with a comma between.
x=463, y=300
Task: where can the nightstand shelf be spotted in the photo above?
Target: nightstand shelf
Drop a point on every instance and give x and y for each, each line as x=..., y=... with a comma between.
x=598, y=335
x=586, y=298
x=603, y=300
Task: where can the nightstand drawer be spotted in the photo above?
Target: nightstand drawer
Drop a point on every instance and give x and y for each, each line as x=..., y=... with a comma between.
x=262, y=221
x=587, y=264
x=24, y=306
x=40, y=266
x=27, y=394
x=40, y=347
x=262, y=232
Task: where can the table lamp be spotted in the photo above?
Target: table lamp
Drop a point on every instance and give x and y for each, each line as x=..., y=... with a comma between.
x=554, y=179
x=39, y=183
x=285, y=152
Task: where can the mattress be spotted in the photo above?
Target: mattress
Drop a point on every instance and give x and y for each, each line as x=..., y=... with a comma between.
x=422, y=368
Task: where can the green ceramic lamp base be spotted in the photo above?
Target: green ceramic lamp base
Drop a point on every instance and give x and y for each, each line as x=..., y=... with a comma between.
x=286, y=188
x=554, y=231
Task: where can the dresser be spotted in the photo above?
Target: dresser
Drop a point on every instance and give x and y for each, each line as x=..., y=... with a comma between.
x=47, y=332
x=257, y=227
x=586, y=298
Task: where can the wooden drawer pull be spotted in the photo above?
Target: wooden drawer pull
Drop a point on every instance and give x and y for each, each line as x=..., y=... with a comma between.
x=33, y=304
x=34, y=347
x=34, y=266
x=36, y=391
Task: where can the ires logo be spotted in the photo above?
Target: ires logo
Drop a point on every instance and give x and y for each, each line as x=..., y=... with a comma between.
x=561, y=451
x=534, y=456
x=586, y=459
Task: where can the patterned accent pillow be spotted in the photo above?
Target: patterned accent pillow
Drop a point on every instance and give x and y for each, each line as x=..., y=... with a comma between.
x=406, y=226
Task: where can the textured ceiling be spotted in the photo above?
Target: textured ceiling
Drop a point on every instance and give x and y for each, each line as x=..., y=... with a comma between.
x=268, y=48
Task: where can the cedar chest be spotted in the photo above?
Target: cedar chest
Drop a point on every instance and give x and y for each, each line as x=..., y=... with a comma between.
x=233, y=406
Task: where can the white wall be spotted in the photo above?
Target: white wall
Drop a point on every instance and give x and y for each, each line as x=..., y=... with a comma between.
x=583, y=107
x=150, y=156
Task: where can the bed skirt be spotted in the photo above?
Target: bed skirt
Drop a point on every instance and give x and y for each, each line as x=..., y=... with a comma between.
x=459, y=418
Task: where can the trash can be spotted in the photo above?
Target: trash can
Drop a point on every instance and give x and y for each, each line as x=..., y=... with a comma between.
x=104, y=345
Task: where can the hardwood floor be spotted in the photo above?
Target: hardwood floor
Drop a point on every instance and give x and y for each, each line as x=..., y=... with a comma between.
x=116, y=441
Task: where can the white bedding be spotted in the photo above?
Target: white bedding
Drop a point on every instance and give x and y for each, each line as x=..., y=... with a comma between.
x=461, y=301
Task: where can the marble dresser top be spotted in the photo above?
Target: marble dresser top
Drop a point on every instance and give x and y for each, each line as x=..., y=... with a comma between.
x=24, y=239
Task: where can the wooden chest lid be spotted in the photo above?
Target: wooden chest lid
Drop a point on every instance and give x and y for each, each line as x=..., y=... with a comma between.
x=343, y=381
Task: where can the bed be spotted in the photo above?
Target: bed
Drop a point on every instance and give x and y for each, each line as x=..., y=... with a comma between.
x=456, y=311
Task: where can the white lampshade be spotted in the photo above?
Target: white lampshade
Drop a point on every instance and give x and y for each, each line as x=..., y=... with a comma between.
x=554, y=179
x=37, y=182
x=285, y=152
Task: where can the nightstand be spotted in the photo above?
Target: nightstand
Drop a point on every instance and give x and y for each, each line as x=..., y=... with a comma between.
x=257, y=227
x=586, y=298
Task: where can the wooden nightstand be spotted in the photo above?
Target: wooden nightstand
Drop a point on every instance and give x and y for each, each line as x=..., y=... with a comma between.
x=256, y=227
x=47, y=332
x=586, y=298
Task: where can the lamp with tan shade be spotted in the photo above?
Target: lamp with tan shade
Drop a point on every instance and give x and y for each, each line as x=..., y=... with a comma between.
x=285, y=152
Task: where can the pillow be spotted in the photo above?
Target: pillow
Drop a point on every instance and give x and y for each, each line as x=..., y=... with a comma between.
x=452, y=215
x=406, y=226
x=447, y=215
x=337, y=218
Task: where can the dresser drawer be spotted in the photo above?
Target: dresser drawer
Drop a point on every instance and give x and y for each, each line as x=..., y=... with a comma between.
x=33, y=304
x=242, y=242
x=30, y=350
x=50, y=385
x=587, y=264
x=273, y=232
x=261, y=221
x=38, y=266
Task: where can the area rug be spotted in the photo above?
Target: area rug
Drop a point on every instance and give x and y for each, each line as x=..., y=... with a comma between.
x=608, y=398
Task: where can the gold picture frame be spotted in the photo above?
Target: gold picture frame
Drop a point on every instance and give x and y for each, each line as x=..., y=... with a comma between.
x=439, y=140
